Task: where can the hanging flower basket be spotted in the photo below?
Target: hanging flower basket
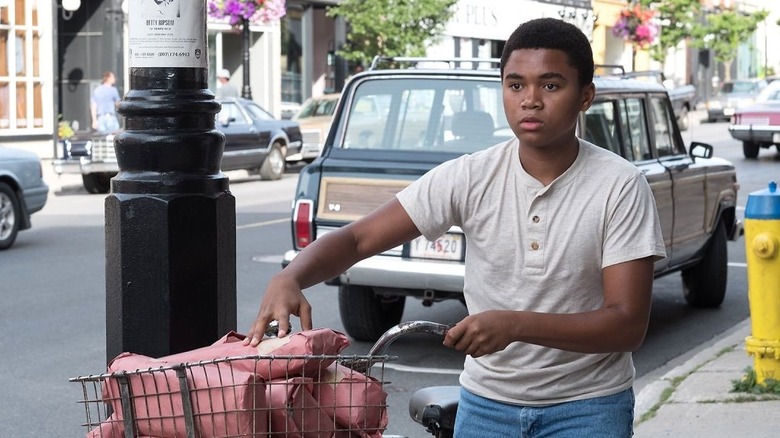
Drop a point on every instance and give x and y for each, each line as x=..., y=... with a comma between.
x=635, y=24
x=237, y=12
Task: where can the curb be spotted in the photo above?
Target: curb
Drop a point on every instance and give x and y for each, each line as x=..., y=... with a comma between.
x=653, y=395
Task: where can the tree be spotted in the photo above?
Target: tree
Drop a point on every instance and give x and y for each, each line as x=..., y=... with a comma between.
x=391, y=28
x=724, y=31
x=679, y=20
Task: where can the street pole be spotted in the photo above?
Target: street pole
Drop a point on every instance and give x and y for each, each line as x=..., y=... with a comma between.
x=246, y=91
x=170, y=217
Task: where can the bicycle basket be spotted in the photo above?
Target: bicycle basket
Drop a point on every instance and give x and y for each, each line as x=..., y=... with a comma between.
x=229, y=397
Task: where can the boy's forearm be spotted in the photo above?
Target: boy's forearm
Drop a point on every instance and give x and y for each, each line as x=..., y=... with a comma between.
x=600, y=331
x=326, y=258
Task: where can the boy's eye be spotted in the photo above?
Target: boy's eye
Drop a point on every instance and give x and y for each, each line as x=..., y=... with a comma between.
x=550, y=87
x=514, y=86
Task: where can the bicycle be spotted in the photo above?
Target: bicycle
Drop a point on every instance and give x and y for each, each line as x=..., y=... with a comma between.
x=259, y=395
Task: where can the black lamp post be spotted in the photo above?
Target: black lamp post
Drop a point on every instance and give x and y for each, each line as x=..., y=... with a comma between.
x=170, y=218
x=246, y=91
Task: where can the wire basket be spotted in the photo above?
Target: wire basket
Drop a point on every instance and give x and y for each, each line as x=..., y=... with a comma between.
x=244, y=396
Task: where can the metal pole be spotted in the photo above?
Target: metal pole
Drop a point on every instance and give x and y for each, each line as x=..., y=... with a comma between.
x=170, y=217
x=246, y=91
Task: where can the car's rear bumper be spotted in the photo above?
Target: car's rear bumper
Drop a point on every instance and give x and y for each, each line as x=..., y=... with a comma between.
x=761, y=133
x=84, y=166
x=401, y=273
x=35, y=197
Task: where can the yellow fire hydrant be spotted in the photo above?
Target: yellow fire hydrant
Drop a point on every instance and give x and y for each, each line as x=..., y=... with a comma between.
x=762, y=241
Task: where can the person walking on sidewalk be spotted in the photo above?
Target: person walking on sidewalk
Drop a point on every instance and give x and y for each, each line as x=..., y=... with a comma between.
x=561, y=240
x=226, y=89
x=103, y=105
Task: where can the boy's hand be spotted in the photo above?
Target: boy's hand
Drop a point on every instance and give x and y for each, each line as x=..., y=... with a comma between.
x=281, y=300
x=482, y=333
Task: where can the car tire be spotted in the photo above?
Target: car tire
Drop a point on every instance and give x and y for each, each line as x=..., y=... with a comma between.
x=274, y=164
x=367, y=315
x=750, y=149
x=10, y=216
x=704, y=285
x=682, y=119
x=97, y=183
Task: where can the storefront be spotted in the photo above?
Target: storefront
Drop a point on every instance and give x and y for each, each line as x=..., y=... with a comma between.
x=25, y=66
x=479, y=28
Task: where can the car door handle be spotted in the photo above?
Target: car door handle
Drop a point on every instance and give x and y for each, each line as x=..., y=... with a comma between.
x=680, y=167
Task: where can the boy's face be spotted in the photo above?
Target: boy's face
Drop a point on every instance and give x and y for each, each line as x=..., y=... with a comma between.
x=543, y=97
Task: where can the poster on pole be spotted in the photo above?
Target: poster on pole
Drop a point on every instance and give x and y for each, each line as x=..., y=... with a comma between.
x=167, y=33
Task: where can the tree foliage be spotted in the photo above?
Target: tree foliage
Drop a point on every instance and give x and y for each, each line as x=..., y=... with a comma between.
x=391, y=28
x=725, y=31
x=679, y=20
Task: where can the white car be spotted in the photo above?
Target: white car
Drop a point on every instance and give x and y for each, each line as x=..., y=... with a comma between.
x=314, y=117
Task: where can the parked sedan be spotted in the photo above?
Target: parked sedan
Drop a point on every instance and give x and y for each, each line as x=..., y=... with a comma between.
x=22, y=192
x=731, y=96
x=255, y=141
x=315, y=117
x=758, y=126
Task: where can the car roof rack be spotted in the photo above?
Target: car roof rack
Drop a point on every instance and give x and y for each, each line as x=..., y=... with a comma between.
x=422, y=62
x=611, y=68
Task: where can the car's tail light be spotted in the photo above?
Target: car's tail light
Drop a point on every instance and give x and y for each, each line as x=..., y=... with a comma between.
x=303, y=226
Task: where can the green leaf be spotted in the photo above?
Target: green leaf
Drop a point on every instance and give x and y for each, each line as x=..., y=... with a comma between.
x=385, y=28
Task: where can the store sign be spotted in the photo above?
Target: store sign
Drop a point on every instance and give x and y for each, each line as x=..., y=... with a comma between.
x=497, y=19
x=167, y=33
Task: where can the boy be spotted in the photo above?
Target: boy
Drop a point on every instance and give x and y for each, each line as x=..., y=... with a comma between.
x=557, y=302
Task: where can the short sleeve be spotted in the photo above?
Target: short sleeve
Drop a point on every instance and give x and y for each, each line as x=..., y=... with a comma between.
x=633, y=229
x=432, y=200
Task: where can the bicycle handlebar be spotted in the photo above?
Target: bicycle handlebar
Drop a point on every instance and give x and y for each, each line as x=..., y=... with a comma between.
x=404, y=328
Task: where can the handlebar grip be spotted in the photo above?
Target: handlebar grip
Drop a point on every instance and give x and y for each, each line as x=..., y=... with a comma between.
x=404, y=328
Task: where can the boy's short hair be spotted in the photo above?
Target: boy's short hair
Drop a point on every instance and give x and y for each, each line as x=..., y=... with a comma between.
x=552, y=33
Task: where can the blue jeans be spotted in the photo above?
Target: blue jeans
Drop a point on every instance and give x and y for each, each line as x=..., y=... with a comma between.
x=610, y=416
x=107, y=123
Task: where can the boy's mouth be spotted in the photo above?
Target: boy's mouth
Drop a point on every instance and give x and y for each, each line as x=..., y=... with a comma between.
x=530, y=123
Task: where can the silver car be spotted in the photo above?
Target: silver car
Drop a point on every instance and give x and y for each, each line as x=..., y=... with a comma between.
x=732, y=96
x=22, y=192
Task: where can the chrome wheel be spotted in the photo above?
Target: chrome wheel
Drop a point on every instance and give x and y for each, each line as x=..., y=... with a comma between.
x=9, y=216
x=274, y=164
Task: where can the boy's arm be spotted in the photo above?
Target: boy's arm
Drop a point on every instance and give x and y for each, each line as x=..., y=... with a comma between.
x=326, y=258
x=620, y=325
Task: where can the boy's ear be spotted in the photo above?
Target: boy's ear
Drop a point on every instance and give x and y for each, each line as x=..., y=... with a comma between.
x=588, y=94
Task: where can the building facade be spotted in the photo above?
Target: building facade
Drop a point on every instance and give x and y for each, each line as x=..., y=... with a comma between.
x=51, y=57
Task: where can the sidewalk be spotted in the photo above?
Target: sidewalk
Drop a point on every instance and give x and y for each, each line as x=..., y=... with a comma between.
x=695, y=399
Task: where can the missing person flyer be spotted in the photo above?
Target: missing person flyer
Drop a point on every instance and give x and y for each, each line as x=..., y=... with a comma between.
x=167, y=33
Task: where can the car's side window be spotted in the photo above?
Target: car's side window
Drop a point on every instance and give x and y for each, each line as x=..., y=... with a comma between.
x=259, y=113
x=601, y=126
x=230, y=113
x=634, y=127
x=662, y=127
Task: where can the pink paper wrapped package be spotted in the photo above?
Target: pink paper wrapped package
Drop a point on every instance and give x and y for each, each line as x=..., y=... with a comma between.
x=311, y=342
x=111, y=427
x=357, y=402
x=294, y=412
x=225, y=401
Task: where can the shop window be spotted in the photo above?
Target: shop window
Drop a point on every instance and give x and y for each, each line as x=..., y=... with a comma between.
x=292, y=56
x=21, y=84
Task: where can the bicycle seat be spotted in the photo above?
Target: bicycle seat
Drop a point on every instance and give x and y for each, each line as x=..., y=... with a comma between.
x=435, y=407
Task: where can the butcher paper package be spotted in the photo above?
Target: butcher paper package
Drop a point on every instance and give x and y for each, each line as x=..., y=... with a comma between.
x=290, y=386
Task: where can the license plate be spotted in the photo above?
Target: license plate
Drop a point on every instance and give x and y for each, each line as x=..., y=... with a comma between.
x=776, y=138
x=446, y=247
x=728, y=111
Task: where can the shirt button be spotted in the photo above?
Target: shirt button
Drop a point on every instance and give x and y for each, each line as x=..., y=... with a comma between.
x=535, y=219
x=535, y=246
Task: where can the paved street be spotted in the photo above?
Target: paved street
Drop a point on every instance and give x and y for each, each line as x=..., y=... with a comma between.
x=53, y=288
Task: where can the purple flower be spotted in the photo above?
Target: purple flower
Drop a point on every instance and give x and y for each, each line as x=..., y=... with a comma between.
x=255, y=11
